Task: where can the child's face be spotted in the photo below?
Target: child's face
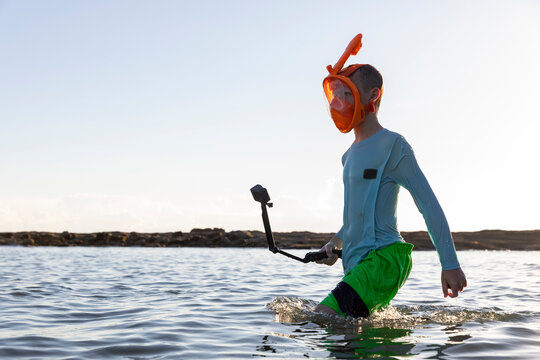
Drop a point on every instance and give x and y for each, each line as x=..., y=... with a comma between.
x=343, y=98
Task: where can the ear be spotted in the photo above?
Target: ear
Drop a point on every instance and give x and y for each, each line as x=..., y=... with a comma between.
x=374, y=95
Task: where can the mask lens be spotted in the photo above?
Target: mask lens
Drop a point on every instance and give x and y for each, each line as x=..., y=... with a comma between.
x=340, y=102
x=340, y=97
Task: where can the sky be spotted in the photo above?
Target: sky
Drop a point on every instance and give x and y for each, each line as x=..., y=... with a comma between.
x=157, y=116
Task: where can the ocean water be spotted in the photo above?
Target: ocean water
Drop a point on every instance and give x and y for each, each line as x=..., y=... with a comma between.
x=199, y=303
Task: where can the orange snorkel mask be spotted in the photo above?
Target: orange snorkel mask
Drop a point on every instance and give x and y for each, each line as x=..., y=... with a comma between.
x=343, y=97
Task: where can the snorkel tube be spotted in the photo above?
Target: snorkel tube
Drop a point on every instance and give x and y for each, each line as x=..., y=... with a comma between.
x=260, y=194
x=352, y=49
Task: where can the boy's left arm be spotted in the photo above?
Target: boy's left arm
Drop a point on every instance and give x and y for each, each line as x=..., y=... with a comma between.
x=409, y=175
x=454, y=280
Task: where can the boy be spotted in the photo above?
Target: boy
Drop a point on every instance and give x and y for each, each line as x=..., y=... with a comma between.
x=376, y=260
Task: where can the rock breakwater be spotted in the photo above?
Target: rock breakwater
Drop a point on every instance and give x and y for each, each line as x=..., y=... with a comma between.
x=487, y=239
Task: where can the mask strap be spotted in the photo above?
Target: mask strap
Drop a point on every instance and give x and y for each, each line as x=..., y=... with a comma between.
x=349, y=70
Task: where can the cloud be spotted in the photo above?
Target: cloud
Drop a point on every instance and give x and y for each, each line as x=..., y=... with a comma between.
x=89, y=213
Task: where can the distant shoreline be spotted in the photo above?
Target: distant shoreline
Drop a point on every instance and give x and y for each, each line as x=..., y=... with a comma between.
x=480, y=240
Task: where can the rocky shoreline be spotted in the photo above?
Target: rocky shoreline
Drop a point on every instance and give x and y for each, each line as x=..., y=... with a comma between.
x=481, y=240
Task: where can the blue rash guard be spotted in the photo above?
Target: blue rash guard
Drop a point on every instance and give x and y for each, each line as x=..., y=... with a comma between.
x=373, y=171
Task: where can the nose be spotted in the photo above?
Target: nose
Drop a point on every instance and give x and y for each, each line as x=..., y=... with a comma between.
x=337, y=104
x=342, y=107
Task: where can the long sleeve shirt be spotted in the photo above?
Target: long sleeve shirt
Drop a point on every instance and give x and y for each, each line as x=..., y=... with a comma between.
x=373, y=172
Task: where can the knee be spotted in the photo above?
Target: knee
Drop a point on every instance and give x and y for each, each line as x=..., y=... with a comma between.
x=324, y=309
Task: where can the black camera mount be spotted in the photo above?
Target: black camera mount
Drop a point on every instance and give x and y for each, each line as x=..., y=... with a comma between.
x=260, y=194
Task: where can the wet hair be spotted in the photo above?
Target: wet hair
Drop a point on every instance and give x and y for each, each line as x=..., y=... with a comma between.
x=366, y=78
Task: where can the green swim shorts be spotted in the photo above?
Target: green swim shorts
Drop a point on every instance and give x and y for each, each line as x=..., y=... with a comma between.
x=373, y=283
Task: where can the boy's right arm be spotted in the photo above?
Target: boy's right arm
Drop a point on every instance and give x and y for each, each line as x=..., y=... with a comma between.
x=334, y=243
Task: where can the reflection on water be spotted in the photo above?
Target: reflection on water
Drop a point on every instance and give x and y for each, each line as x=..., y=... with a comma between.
x=370, y=341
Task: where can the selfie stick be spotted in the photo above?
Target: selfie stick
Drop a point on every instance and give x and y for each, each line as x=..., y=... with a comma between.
x=260, y=194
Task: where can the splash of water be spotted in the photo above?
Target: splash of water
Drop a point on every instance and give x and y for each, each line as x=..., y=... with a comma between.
x=289, y=309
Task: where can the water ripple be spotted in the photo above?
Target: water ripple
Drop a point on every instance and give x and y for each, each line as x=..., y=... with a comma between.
x=136, y=303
